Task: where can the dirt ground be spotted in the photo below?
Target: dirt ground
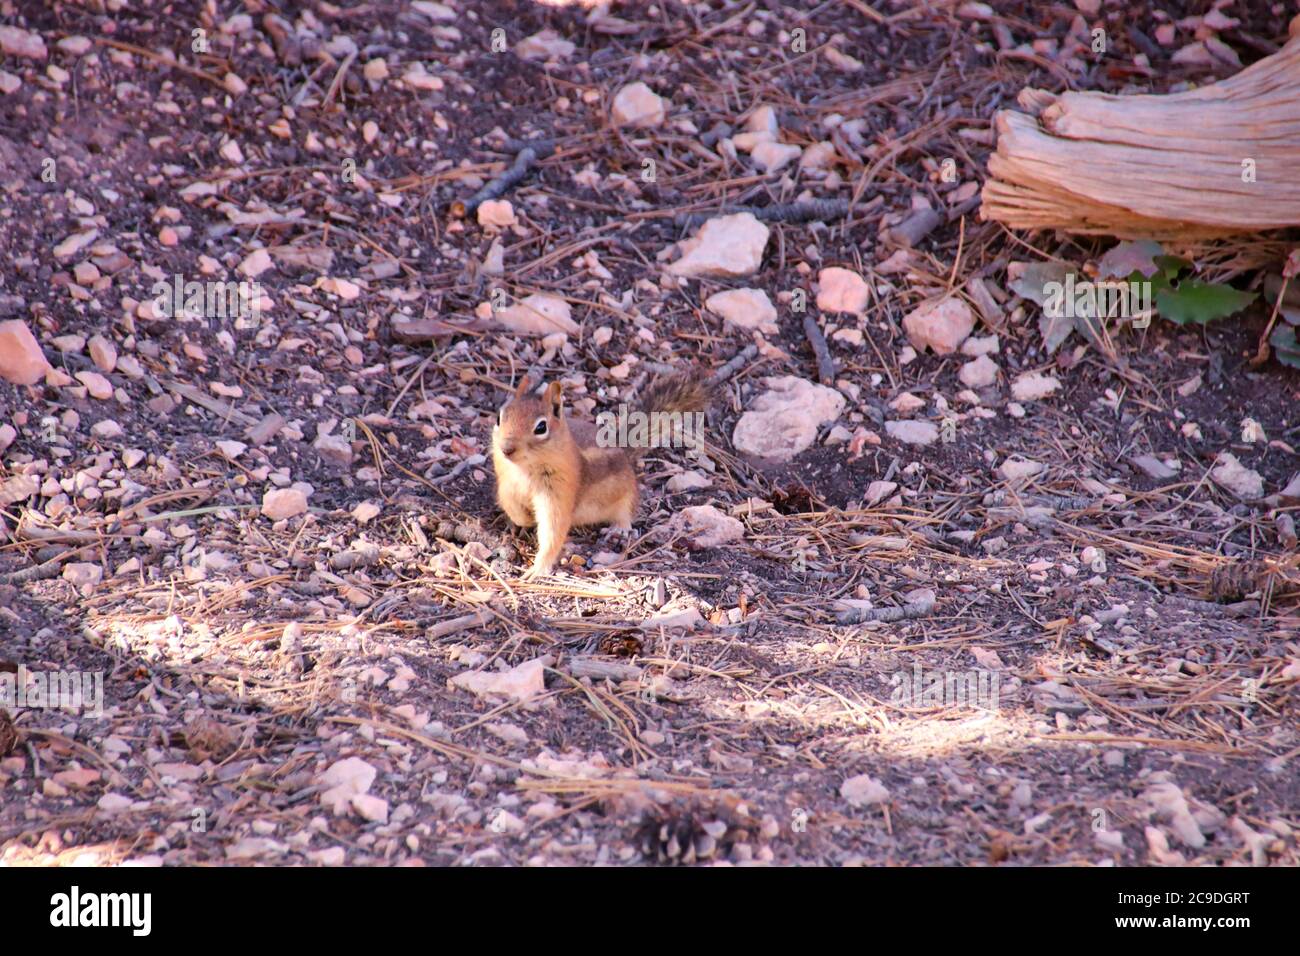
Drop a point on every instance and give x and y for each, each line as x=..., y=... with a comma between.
x=279, y=691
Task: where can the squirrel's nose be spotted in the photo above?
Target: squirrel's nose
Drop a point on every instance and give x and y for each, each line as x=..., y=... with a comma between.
x=509, y=449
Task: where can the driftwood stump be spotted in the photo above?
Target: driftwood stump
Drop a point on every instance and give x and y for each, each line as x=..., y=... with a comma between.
x=1209, y=162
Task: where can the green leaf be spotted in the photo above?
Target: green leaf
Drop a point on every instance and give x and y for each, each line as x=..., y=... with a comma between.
x=1285, y=346
x=1171, y=266
x=1201, y=302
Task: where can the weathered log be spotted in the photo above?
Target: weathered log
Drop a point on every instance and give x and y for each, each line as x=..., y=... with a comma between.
x=1209, y=162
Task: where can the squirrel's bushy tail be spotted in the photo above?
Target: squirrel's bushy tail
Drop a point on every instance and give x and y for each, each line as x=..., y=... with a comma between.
x=686, y=391
x=674, y=406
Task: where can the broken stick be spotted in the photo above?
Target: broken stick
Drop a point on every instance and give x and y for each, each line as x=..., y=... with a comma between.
x=825, y=364
x=523, y=164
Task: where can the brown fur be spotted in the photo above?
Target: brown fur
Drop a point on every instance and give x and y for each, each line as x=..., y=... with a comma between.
x=563, y=479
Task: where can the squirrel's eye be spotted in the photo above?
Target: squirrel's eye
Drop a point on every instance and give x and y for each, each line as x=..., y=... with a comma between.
x=540, y=427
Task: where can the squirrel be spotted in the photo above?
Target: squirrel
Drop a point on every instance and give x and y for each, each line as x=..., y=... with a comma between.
x=555, y=475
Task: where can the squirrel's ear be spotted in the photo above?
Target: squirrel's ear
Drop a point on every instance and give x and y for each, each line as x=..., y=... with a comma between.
x=555, y=398
x=523, y=386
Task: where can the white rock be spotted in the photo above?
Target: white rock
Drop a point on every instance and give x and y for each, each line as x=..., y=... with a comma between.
x=255, y=263
x=538, y=314
x=280, y=503
x=494, y=263
x=417, y=78
x=9, y=83
x=503, y=821
x=254, y=848
x=1231, y=475
x=344, y=780
x=330, y=856
x=704, y=526
x=1171, y=806
x=1020, y=469
x=841, y=61
x=17, y=488
x=75, y=45
x=510, y=733
x=687, y=481
x=770, y=157
x=863, y=791
x=365, y=512
x=1153, y=467
x=334, y=449
x=497, y=213
x=217, y=561
x=106, y=429
x=941, y=326
x=747, y=142
x=1109, y=839
x=763, y=120
x=978, y=345
x=98, y=386
x=435, y=11
x=979, y=373
x=370, y=807
x=22, y=362
x=744, y=309
x=878, y=491
x=113, y=803
x=907, y=404
x=725, y=247
x=18, y=42
x=83, y=574
x=1032, y=386
x=842, y=290
x=103, y=353
x=818, y=156
x=544, y=45
x=638, y=105
x=838, y=435
x=783, y=421
x=231, y=449
x=520, y=683
x=74, y=243
x=912, y=432
x=689, y=619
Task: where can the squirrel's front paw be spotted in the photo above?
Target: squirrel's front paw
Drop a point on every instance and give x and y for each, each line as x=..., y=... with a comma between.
x=537, y=570
x=618, y=534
